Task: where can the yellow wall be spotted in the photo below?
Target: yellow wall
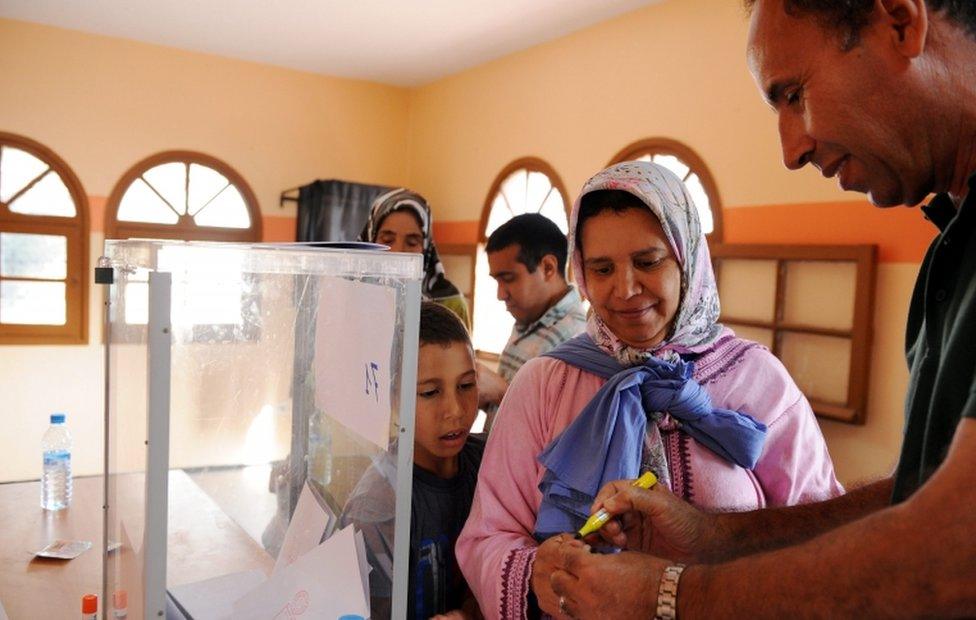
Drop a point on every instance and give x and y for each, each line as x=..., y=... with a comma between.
x=675, y=69
x=103, y=104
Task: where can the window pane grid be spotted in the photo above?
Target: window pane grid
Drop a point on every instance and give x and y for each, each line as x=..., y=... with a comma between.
x=524, y=190
x=827, y=354
x=19, y=170
x=161, y=197
x=182, y=195
x=688, y=176
x=26, y=188
x=43, y=247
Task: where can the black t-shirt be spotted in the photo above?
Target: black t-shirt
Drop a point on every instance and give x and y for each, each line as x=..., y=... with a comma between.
x=940, y=344
x=439, y=507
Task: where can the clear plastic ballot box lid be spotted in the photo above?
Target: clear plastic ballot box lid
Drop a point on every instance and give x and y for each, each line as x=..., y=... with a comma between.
x=259, y=429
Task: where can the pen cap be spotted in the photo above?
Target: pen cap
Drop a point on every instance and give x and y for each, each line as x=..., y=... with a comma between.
x=646, y=481
x=89, y=604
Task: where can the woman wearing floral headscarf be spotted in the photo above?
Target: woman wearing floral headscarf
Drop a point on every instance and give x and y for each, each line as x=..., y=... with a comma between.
x=401, y=219
x=655, y=384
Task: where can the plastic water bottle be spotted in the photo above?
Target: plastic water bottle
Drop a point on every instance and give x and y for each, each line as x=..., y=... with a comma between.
x=56, y=481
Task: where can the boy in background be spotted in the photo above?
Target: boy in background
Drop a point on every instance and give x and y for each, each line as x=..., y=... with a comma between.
x=446, y=460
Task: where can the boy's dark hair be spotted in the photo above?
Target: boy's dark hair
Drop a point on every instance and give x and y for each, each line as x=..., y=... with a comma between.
x=616, y=200
x=438, y=325
x=848, y=17
x=536, y=236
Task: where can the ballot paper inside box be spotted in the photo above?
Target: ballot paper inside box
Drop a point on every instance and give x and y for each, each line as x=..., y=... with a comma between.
x=248, y=387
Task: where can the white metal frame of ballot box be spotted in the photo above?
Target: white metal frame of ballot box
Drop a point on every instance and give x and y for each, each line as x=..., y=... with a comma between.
x=157, y=444
x=159, y=341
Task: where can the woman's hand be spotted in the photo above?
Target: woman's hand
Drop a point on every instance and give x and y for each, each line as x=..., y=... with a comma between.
x=547, y=558
x=654, y=521
x=606, y=587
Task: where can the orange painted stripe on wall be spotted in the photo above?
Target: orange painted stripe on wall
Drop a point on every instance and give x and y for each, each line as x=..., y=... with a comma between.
x=276, y=228
x=901, y=234
x=459, y=232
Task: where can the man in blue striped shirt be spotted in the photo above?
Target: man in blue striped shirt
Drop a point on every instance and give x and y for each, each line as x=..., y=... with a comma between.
x=527, y=258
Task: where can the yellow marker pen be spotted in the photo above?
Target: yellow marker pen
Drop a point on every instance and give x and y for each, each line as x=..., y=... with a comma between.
x=601, y=516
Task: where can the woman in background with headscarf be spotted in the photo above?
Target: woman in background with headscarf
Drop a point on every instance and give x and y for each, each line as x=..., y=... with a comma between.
x=401, y=219
x=655, y=384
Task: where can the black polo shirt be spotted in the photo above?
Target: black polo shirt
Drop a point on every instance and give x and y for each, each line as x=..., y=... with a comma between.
x=940, y=343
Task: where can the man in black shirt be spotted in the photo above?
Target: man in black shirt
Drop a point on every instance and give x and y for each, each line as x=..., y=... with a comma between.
x=882, y=95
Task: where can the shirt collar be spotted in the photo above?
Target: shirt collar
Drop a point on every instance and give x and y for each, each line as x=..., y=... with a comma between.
x=561, y=308
x=942, y=210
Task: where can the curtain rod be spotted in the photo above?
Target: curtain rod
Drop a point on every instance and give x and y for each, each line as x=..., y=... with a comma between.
x=283, y=198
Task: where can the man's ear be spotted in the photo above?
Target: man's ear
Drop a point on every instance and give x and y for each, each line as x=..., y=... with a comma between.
x=549, y=266
x=908, y=24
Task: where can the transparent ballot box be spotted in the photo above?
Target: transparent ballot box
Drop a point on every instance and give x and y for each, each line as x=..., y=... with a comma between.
x=259, y=430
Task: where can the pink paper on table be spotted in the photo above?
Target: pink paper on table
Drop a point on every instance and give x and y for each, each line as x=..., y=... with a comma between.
x=308, y=524
x=326, y=582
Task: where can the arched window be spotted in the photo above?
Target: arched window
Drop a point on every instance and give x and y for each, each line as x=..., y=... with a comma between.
x=43, y=247
x=527, y=185
x=690, y=168
x=183, y=195
x=192, y=197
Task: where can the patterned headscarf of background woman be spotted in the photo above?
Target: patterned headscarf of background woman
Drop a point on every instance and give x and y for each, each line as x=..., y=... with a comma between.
x=435, y=285
x=695, y=325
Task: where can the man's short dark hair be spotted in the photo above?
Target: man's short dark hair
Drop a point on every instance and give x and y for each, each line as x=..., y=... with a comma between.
x=594, y=203
x=849, y=17
x=536, y=235
x=438, y=325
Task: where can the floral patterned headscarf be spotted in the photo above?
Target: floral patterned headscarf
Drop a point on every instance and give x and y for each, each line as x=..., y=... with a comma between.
x=695, y=325
x=435, y=285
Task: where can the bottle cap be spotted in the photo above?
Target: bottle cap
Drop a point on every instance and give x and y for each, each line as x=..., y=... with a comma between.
x=120, y=600
x=57, y=418
x=89, y=604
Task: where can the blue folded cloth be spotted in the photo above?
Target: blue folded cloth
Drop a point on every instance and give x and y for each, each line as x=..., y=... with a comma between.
x=604, y=443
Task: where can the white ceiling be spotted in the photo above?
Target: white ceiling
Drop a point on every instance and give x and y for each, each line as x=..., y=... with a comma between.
x=401, y=42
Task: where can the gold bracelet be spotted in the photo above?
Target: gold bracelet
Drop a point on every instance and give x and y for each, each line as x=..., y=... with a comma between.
x=667, y=593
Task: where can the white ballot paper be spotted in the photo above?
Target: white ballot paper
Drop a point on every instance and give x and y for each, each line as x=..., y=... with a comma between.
x=309, y=524
x=353, y=341
x=213, y=599
x=323, y=583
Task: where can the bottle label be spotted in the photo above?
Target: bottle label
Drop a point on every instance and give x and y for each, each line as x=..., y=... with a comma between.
x=57, y=457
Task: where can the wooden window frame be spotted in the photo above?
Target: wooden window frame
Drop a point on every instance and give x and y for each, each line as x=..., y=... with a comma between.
x=76, y=230
x=668, y=146
x=532, y=164
x=185, y=228
x=854, y=411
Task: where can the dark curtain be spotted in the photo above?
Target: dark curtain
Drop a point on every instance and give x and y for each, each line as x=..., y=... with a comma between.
x=334, y=210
